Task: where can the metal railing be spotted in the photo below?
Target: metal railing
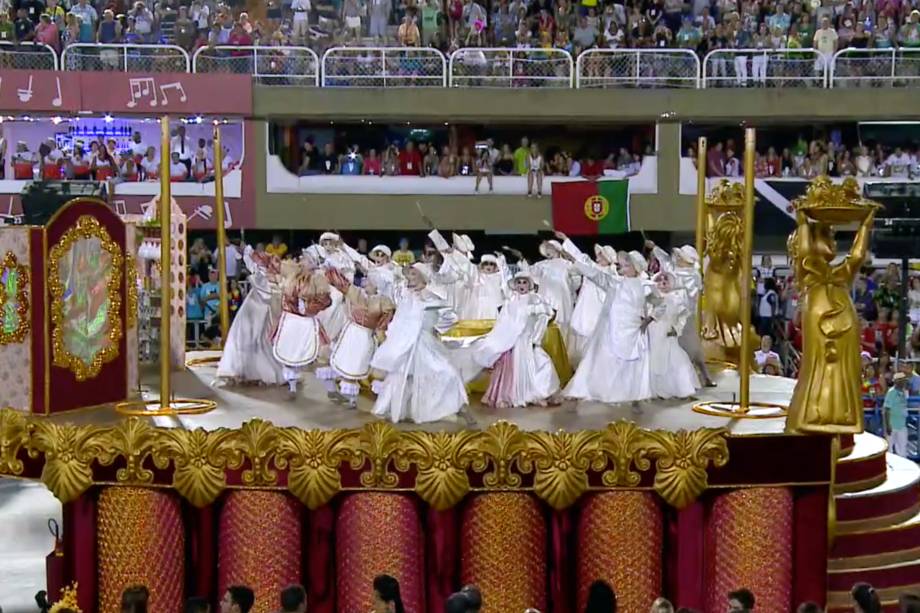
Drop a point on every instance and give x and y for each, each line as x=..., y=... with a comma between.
x=273, y=65
x=509, y=67
x=27, y=56
x=643, y=68
x=125, y=58
x=384, y=67
x=876, y=68
x=765, y=68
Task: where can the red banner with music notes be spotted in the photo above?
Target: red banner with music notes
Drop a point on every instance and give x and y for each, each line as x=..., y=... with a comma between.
x=47, y=91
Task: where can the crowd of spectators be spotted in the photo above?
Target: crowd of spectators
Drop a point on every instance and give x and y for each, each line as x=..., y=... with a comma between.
x=484, y=160
x=573, y=25
x=808, y=159
x=101, y=159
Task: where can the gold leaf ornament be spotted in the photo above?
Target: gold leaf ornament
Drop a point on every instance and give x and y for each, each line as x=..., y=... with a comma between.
x=200, y=459
x=561, y=461
x=69, y=453
x=135, y=440
x=501, y=444
x=379, y=441
x=312, y=458
x=681, y=459
x=622, y=444
x=441, y=460
x=256, y=440
x=14, y=436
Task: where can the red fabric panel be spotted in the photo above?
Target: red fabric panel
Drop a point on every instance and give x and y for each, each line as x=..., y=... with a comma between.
x=809, y=541
x=37, y=263
x=110, y=385
x=848, y=472
x=686, y=556
x=443, y=557
x=202, y=543
x=320, y=560
x=569, y=207
x=561, y=555
x=867, y=507
x=80, y=548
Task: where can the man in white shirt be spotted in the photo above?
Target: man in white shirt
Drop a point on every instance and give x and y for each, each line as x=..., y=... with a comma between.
x=301, y=30
x=765, y=353
x=898, y=164
x=181, y=146
x=826, y=44
x=177, y=170
x=233, y=257
x=138, y=147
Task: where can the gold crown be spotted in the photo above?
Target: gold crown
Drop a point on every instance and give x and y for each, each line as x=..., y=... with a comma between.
x=68, y=600
x=822, y=193
x=727, y=195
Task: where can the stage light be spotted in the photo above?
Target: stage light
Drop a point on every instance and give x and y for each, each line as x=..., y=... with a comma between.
x=108, y=118
x=56, y=120
x=199, y=119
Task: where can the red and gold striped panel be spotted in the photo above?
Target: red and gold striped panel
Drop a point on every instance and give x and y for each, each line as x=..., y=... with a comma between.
x=259, y=544
x=378, y=533
x=141, y=541
x=749, y=545
x=620, y=541
x=503, y=551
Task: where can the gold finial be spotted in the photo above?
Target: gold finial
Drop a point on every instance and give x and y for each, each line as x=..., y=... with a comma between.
x=725, y=196
x=67, y=601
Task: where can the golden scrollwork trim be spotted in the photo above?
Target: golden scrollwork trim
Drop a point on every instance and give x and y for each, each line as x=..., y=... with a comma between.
x=131, y=287
x=85, y=228
x=441, y=467
x=11, y=263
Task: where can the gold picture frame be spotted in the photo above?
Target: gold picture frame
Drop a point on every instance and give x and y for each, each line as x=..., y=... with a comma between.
x=86, y=227
x=17, y=335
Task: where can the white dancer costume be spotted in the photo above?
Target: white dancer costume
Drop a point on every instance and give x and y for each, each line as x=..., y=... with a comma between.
x=616, y=365
x=589, y=304
x=557, y=280
x=453, y=273
x=523, y=372
x=421, y=383
x=299, y=338
x=673, y=374
x=684, y=267
x=486, y=288
x=382, y=272
x=350, y=360
x=329, y=253
x=248, y=355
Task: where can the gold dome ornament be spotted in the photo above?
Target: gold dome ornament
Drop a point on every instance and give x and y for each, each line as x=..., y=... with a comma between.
x=725, y=196
x=828, y=203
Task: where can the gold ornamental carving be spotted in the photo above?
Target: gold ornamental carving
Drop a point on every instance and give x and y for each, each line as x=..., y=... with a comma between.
x=131, y=287
x=86, y=228
x=444, y=466
x=828, y=396
x=14, y=300
x=722, y=286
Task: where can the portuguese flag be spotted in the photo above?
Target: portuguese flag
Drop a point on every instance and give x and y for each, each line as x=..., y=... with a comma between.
x=591, y=207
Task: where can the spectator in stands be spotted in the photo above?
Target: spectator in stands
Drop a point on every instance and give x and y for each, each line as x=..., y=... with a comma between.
x=865, y=599
x=177, y=170
x=740, y=601
x=484, y=168
x=277, y=247
x=150, y=165
x=407, y=34
x=103, y=165
x=328, y=161
x=909, y=603
x=23, y=26
x=109, y=33
x=293, y=599
x=372, y=163
x=404, y=256
x=379, y=18
x=134, y=599
x=535, y=169
x=601, y=598
x=913, y=379
x=186, y=31
x=473, y=596
x=237, y=599
x=765, y=353
x=46, y=33
x=895, y=410
x=520, y=157
x=79, y=165
x=387, y=598
x=447, y=165
x=197, y=604
x=352, y=162
x=410, y=161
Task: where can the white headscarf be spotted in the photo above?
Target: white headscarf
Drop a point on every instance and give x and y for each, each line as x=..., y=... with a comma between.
x=383, y=249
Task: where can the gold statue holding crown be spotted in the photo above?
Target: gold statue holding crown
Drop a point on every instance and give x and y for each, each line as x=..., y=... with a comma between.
x=828, y=396
x=721, y=316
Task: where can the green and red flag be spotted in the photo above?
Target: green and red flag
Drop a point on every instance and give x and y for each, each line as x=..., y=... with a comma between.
x=591, y=207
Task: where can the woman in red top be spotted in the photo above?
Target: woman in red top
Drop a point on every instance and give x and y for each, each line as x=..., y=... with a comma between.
x=79, y=164
x=372, y=163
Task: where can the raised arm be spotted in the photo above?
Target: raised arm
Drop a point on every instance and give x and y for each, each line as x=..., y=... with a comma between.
x=854, y=260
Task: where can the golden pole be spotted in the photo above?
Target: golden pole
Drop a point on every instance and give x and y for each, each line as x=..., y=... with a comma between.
x=747, y=247
x=221, y=235
x=701, y=213
x=165, y=264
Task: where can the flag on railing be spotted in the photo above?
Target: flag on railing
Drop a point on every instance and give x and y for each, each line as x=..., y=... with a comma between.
x=591, y=207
